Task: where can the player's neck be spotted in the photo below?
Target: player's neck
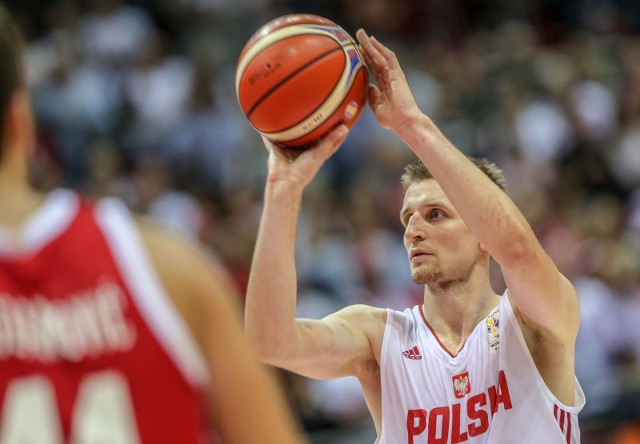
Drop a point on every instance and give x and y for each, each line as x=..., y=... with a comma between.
x=18, y=200
x=454, y=309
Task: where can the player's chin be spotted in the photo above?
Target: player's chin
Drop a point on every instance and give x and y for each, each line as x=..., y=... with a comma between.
x=420, y=280
x=425, y=276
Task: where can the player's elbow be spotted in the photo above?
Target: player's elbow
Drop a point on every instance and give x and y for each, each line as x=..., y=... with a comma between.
x=269, y=346
x=267, y=356
x=522, y=248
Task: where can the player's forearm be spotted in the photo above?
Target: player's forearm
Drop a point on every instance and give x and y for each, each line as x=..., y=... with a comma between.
x=489, y=213
x=271, y=293
x=536, y=287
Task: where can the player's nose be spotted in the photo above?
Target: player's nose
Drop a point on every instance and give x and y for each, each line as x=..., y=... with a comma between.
x=415, y=229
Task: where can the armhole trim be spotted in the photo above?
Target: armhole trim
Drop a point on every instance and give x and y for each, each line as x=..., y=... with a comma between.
x=578, y=393
x=150, y=297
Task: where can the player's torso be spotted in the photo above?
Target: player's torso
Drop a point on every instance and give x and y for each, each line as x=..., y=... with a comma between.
x=478, y=396
x=80, y=359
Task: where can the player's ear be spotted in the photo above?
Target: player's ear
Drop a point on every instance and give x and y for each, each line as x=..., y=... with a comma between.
x=482, y=248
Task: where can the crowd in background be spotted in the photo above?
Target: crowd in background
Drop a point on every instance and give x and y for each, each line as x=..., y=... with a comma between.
x=137, y=99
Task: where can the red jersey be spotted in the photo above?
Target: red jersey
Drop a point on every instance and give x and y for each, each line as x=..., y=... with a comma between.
x=91, y=349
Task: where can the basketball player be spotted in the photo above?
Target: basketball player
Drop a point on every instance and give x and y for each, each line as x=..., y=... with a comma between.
x=113, y=330
x=467, y=365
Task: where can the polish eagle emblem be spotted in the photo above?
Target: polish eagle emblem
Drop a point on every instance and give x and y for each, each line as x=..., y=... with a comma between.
x=461, y=385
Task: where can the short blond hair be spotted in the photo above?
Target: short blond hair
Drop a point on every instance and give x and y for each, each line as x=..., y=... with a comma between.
x=417, y=171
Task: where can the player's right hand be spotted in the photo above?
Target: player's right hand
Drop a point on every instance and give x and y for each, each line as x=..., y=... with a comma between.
x=299, y=166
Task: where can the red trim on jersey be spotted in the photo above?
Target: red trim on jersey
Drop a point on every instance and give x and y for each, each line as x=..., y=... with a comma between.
x=563, y=416
x=421, y=307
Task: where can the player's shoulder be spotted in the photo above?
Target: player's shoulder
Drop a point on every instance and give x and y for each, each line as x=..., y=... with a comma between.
x=194, y=277
x=169, y=245
x=174, y=251
x=152, y=230
x=362, y=310
x=364, y=317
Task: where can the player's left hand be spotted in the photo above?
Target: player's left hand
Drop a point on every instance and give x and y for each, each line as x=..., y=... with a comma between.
x=391, y=100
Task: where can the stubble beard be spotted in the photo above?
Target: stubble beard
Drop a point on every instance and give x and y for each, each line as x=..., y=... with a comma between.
x=428, y=276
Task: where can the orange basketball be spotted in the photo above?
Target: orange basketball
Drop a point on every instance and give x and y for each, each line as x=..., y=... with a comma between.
x=299, y=76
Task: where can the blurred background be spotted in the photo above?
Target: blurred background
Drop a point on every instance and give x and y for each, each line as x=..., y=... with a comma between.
x=137, y=99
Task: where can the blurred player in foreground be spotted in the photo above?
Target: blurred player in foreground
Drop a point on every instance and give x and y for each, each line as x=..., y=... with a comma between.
x=113, y=330
x=467, y=365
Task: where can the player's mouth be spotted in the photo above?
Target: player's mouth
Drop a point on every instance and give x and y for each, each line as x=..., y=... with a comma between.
x=417, y=253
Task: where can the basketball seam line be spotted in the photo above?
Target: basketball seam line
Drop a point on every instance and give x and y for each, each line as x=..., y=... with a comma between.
x=284, y=80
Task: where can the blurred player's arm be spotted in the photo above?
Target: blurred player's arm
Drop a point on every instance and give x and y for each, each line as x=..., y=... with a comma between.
x=338, y=345
x=249, y=406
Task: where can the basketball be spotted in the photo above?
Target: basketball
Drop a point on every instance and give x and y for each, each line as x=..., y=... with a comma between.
x=298, y=77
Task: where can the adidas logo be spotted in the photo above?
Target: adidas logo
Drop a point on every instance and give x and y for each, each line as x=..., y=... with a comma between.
x=414, y=353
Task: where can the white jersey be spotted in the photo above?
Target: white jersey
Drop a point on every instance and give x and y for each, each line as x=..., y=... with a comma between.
x=490, y=392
